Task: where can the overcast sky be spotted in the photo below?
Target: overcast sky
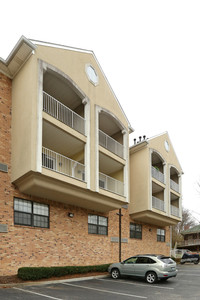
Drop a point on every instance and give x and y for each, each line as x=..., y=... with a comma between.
x=149, y=52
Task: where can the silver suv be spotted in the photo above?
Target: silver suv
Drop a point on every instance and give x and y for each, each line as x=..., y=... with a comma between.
x=149, y=266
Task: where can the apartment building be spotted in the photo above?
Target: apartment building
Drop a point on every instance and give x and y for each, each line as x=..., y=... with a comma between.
x=155, y=176
x=64, y=165
x=191, y=239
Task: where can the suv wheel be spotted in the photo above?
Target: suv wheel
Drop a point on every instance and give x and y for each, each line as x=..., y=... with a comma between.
x=151, y=277
x=115, y=273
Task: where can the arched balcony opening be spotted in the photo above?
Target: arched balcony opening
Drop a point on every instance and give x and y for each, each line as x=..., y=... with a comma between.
x=63, y=101
x=110, y=134
x=157, y=167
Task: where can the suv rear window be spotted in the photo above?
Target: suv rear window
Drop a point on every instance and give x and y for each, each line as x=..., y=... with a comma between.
x=145, y=260
x=166, y=260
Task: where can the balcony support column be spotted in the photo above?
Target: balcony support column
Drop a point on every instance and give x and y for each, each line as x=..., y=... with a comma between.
x=126, y=158
x=86, y=103
x=41, y=70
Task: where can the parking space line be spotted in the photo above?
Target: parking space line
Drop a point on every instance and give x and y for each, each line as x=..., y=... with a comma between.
x=35, y=293
x=104, y=291
x=138, y=284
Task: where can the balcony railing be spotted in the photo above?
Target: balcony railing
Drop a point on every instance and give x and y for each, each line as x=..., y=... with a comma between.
x=157, y=175
x=62, y=113
x=111, y=184
x=190, y=242
x=110, y=144
x=174, y=186
x=158, y=204
x=175, y=211
x=62, y=164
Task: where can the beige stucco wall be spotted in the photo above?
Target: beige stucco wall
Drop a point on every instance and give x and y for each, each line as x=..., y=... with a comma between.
x=24, y=119
x=139, y=180
x=27, y=106
x=169, y=157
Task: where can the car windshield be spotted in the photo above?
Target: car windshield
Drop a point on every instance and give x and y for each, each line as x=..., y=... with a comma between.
x=166, y=260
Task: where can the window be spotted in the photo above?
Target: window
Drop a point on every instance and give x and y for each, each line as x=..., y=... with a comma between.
x=101, y=184
x=97, y=225
x=131, y=260
x=160, y=235
x=31, y=213
x=135, y=231
x=145, y=260
x=92, y=74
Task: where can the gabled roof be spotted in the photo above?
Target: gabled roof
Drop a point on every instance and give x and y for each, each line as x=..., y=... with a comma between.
x=25, y=48
x=166, y=133
x=18, y=56
x=194, y=229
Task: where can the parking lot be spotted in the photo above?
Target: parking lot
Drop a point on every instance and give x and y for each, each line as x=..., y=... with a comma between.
x=184, y=286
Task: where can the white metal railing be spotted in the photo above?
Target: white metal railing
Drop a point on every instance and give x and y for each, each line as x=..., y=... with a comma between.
x=111, y=184
x=63, y=113
x=174, y=211
x=158, y=204
x=62, y=164
x=110, y=144
x=174, y=186
x=157, y=174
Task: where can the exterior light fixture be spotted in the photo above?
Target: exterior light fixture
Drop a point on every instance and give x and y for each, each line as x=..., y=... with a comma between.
x=71, y=215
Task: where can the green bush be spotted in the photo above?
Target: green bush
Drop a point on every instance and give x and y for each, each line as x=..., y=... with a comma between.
x=36, y=273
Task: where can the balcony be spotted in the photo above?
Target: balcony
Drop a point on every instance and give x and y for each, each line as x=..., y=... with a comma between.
x=191, y=242
x=157, y=174
x=175, y=211
x=59, y=111
x=111, y=184
x=158, y=204
x=62, y=164
x=174, y=186
x=110, y=144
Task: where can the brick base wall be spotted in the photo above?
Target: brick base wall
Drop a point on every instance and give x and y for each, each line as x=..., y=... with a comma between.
x=67, y=241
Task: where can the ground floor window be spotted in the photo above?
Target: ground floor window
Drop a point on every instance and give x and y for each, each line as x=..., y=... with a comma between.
x=31, y=213
x=160, y=235
x=97, y=225
x=135, y=231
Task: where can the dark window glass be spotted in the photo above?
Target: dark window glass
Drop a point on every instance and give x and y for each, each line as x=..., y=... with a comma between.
x=135, y=231
x=31, y=213
x=97, y=225
x=160, y=235
x=22, y=218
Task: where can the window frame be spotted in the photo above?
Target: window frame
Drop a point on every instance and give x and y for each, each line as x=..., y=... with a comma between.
x=160, y=235
x=134, y=233
x=31, y=214
x=98, y=225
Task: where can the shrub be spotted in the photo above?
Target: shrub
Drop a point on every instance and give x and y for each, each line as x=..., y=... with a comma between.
x=36, y=273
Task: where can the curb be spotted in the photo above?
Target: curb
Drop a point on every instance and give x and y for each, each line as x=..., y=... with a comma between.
x=32, y=283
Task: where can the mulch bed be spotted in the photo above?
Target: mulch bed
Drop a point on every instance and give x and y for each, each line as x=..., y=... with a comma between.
x=14, y=279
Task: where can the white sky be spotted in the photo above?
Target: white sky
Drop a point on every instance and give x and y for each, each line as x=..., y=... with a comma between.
x=148, y=50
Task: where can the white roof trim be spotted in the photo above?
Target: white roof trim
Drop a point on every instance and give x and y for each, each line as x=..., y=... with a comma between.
x=17, y=57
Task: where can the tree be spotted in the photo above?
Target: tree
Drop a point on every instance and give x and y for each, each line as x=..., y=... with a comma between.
x=187, y=222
